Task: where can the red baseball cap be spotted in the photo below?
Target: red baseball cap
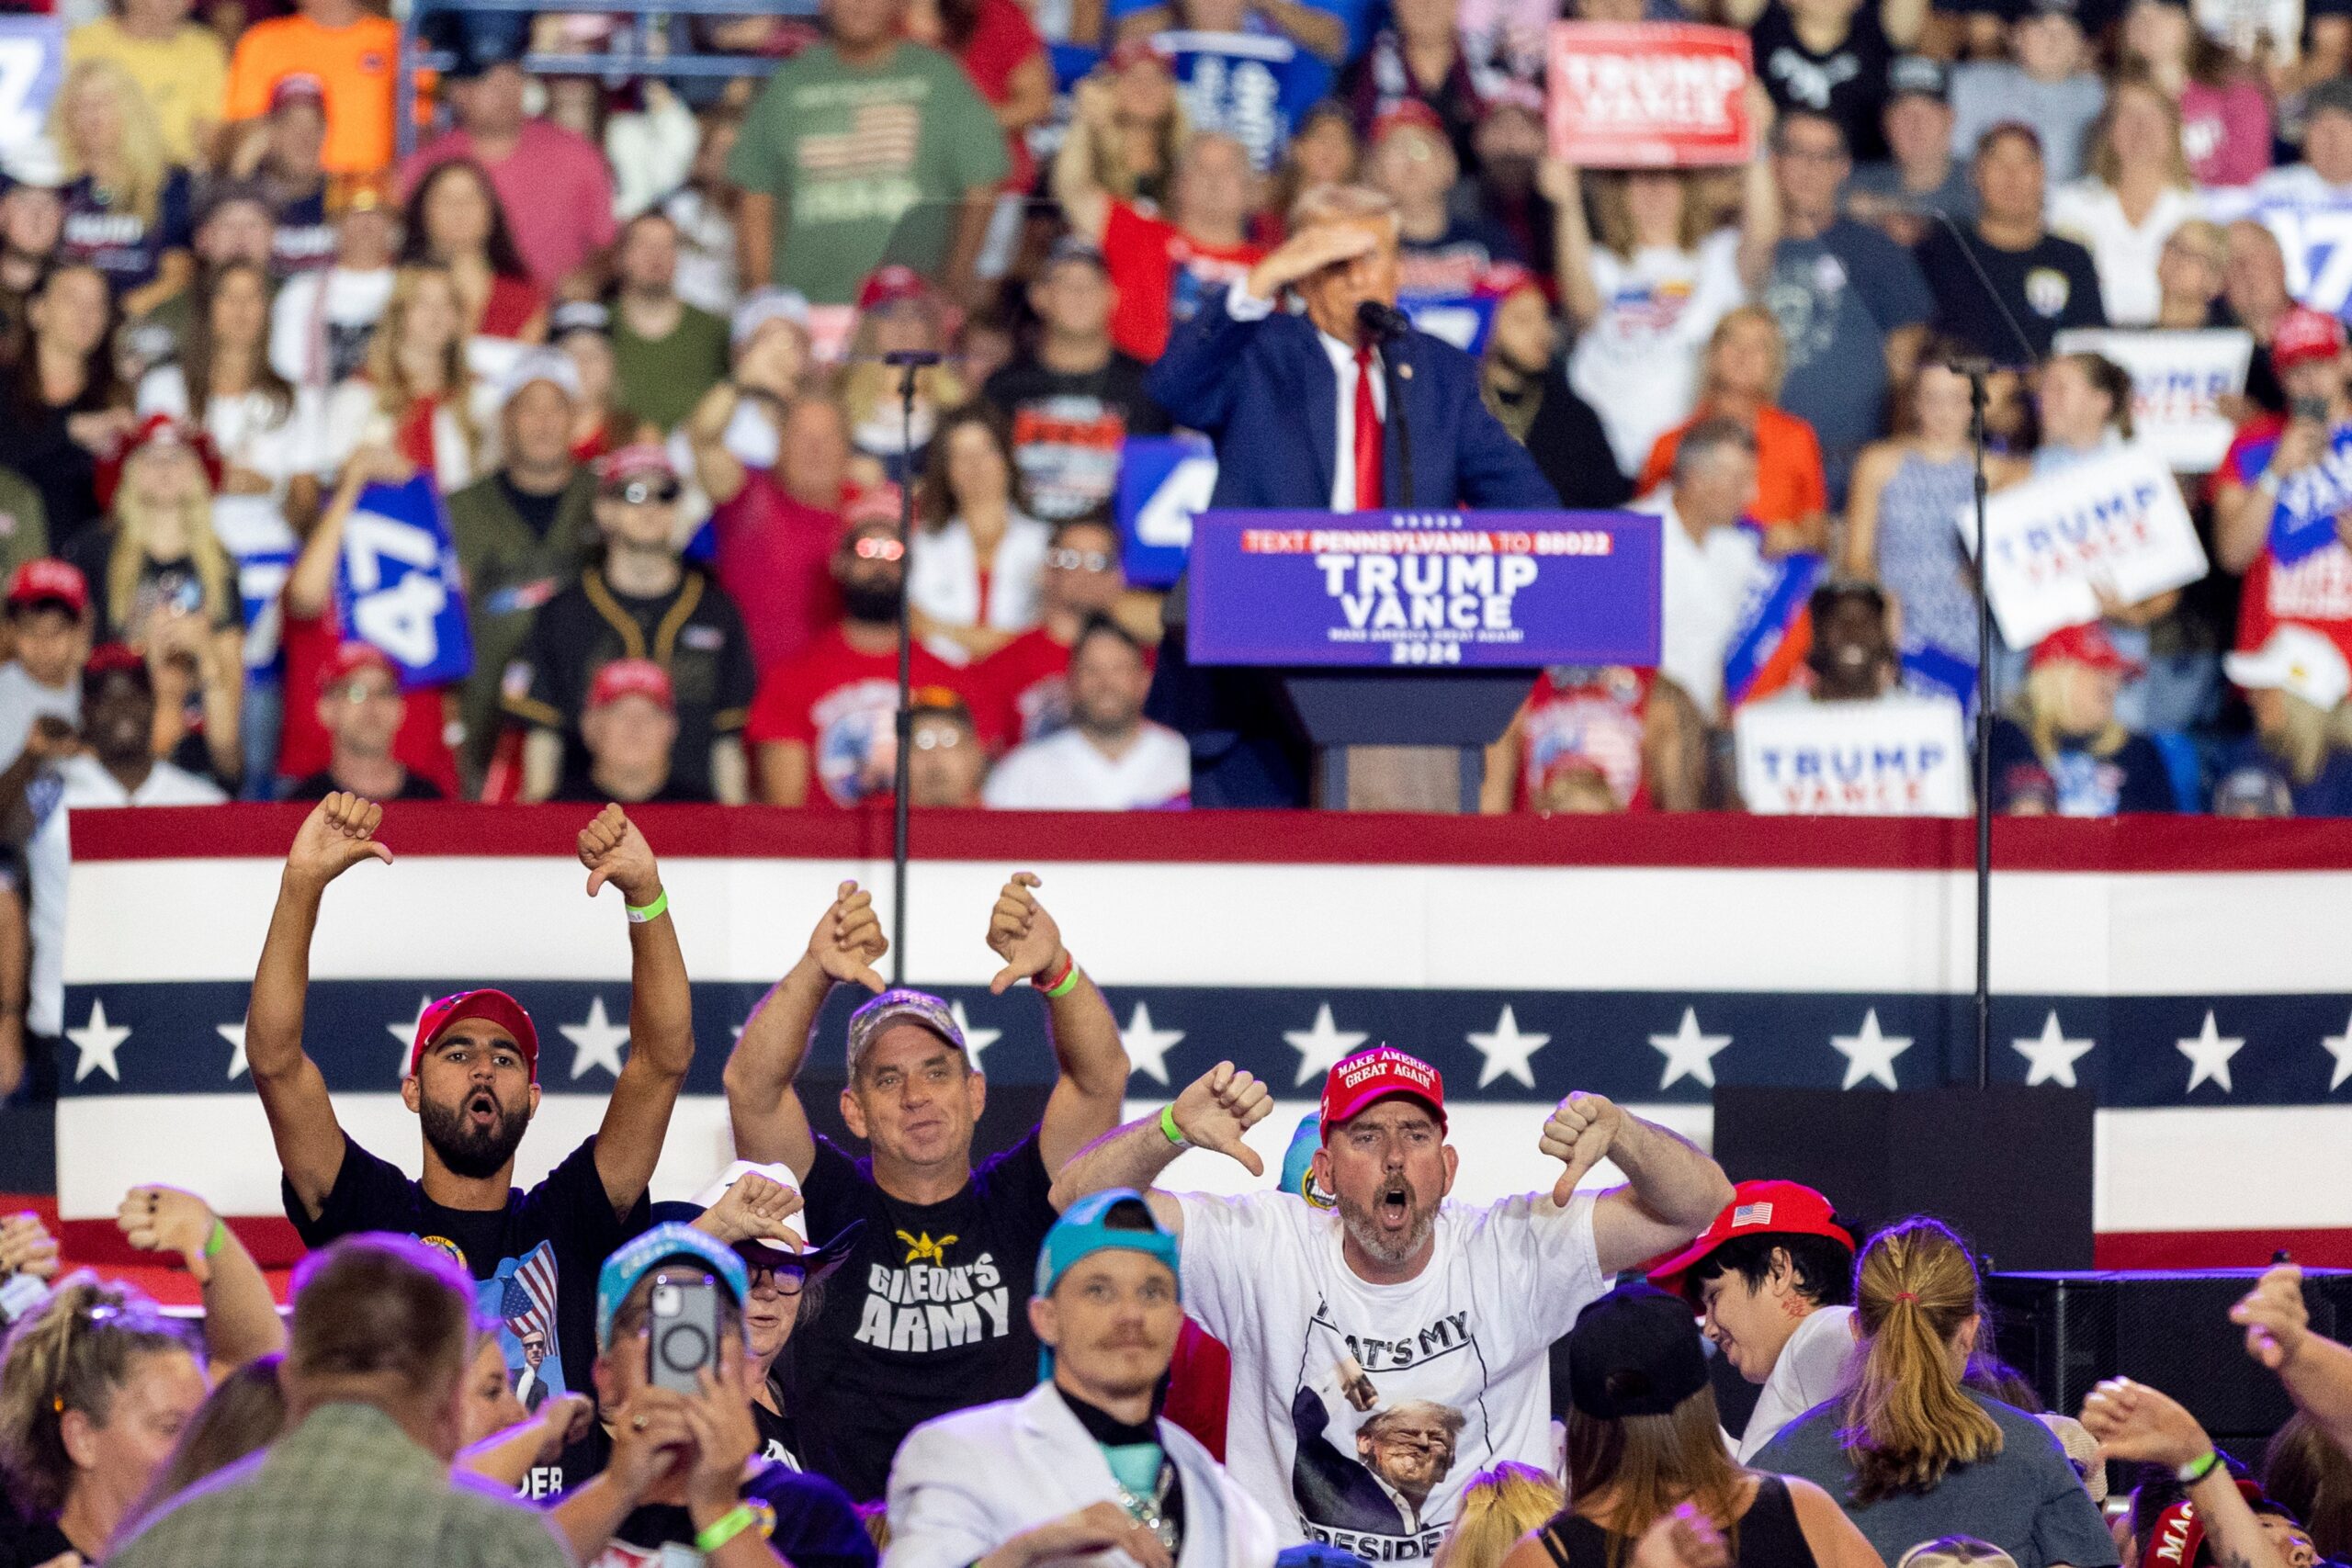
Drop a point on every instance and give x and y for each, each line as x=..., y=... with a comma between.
x=632, y=678
x=45, y=580
x=2304, y=334
x=1408, y=114
x=156, y=430
x=491, y=1007
x=1354, y=1084
x=892, y=284
x=2087, y=644
x=349, y=659
x=297, y=87
x=1757, y=1208
x=637, y=457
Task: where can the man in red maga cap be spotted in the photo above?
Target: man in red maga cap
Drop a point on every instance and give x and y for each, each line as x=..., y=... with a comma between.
x=472, y=1079
x=1389, y=1349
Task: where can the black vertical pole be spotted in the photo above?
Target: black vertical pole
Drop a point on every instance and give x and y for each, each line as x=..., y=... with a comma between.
x=905, y=721
x=1983, y=752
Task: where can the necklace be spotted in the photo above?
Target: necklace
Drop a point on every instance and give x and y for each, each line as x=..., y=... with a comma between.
x=1152, y=1512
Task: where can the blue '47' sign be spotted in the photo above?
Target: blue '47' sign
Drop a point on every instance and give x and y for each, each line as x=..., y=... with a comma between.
x=397, y=587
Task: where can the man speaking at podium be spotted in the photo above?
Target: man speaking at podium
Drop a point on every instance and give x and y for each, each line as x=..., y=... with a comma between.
x=1344, y=407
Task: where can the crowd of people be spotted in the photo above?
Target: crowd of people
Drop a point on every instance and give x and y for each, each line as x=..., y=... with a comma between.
x=926, y=1358
x=633, y=341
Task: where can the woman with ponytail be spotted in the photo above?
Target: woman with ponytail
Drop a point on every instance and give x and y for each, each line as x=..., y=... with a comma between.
x=1910, y=1451
x=95, y=1389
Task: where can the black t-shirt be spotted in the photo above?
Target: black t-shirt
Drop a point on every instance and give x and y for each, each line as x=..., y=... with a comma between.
x=1848, y=84
x=538, y=511
x=2074, y=782
x=1568, y=444
x=806, y=1517
x=304, y=237
x=928, y=1315
x=779, y=1436
x=32, y=1545
x=2048, y=288
x=534, y=1261
x=694, y=632
x=584, y=791
x=318, y=785
x=1067, y=430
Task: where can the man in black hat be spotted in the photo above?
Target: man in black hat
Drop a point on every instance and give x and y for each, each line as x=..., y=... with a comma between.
x=1921, y=175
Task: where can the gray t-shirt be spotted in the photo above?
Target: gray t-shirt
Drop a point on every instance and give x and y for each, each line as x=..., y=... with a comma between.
x=1837, y=297
x=1986, y=93
x=1955, y=199
x=23, y=699
x=2026, y=1499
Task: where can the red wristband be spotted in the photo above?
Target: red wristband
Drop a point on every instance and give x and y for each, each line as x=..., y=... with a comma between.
x=1069, y=966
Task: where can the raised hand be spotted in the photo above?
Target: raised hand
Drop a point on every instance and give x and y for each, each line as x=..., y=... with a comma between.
x=165, y=1219
x=1220, y=1105
x=725, y=1435
x=27, y=1247
x=1098, y=1527
x=848, y=942
x=563, y=1420
x=649, y=1438
x=753, y=1207
x=1307, y=252
x=1022, y=934
x=338, y=834
x=614, y=851
x=2132, y=1421
x=2274, y=1316
x=1580, y=1132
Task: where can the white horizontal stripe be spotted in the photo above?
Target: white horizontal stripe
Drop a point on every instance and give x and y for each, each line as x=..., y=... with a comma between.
x=1518, y=928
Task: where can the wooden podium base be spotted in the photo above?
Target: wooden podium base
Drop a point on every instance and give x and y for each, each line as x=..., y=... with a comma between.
x=1441, y=779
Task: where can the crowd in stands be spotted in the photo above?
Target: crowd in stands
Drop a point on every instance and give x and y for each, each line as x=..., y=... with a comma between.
x=925, y=1358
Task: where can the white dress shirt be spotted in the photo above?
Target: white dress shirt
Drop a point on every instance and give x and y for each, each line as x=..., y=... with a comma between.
x=1064, y=772
x=1242, y=307
x=1706, y=586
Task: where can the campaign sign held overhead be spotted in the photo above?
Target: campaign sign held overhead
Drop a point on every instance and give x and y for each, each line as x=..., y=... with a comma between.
x=395, y=586
x=2179, y=379
x=1903, y=756
x=1648, y=95
x=1507, y=590
x=1164, y=481
x=2116, y=523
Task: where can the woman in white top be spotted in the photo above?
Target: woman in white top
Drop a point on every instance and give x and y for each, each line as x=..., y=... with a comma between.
x=417, y=395
x=2138, y=191
x=978, y=561
x=1645, y=298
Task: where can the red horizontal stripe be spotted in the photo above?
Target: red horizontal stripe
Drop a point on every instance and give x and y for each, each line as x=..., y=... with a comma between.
x=1284, y=838
x=2222, y=1249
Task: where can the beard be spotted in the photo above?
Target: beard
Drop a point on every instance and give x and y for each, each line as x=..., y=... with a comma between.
x=1363, y=1225
x=863, y=602
x=474, y=1153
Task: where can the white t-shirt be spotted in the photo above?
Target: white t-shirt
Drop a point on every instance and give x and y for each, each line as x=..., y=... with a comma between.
x=2089, y=213
x=946, y=583
x=1706, y=586
x=1811, y=1370
x=23, y=699
x=1065, y=772
x=1472, y=1335
x=1637, y=365
x=321, y=321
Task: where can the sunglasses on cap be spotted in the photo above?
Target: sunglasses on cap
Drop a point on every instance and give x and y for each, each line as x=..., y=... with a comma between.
x=1066, y=560
x=880, y=547
x=642, y=492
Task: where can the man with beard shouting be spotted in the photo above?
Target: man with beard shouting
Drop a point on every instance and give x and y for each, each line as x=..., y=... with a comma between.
x=472, y=1081
x=1401, y=1319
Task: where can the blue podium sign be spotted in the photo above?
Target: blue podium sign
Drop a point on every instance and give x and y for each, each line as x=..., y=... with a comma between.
x=1457, y=590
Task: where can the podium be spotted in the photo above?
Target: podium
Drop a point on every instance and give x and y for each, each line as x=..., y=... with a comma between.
x=1401, y=643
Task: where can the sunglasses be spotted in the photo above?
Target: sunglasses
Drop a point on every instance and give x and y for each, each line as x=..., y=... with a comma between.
x=875, y=546
x=1078, y=561
x=641, y=492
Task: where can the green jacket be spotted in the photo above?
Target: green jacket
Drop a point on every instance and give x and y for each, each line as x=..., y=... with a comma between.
x=24, y=522
x=509, y=572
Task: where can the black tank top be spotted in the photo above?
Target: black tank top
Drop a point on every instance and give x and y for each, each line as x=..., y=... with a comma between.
x=1769, y=1536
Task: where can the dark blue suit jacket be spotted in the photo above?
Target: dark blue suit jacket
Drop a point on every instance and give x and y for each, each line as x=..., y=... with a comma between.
x=1266, y=393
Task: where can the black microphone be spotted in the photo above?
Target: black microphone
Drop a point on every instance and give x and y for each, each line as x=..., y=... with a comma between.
x=902, y=357
x=1381, y=320
x=1970, y=366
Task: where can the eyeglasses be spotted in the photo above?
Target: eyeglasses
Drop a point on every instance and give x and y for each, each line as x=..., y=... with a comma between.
x=782, y=1278
x=359, y=694
x=641, y=492
x=878, y=548
x=1078, y=561
x=938, y=739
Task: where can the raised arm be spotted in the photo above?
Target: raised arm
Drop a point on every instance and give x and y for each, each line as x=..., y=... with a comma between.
x=337, y=835
x=2317, y=1369
x=312, y=583
x=660, y=1010
x=1672, y=1191
x=762, y=1105
x=1085, y=1037
x=1571, y=241
x=1759, y=195
x=241, y=1321
x=1077, y=184
x=1213, y=1112
x=2132, y=1421
x=719, y=472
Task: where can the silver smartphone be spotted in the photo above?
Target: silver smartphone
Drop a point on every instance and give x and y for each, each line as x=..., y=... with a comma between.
x=684, y=1337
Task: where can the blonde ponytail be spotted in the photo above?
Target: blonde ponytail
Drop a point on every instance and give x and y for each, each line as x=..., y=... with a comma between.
x=1907, y=1420
x=71, y=1355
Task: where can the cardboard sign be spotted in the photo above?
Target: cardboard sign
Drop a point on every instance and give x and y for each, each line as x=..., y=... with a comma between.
x=395, y=586
x=2179, y=379
x=1507, y=590
x=1164, y=481
x=1648, y=95
x=1251, y=86
x=2116, y=521
x=2302, y=520
x=33, y=65
x=1903, y=756
x=2270, y=31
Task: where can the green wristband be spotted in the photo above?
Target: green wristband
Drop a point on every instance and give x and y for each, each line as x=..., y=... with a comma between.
x=642, y=914
x=218, y=1239
x=724, y=1528
x=1067, y=984
x=1168, y=1125
x=2197, y=1470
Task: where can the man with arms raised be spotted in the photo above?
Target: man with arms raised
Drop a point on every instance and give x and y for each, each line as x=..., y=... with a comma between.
x=472, y=1081
x=1398, y=1301
x=922, y=1318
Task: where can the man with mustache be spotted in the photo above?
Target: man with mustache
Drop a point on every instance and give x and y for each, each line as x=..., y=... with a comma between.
x=472, y=1079
x=1399, y=1299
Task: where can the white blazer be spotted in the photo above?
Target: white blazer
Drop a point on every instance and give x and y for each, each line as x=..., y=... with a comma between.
x=965, y=1484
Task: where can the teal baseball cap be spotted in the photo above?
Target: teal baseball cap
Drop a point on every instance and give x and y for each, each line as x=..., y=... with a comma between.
x=1299, y=1162
x=1084, y=1230
x=637, y=1257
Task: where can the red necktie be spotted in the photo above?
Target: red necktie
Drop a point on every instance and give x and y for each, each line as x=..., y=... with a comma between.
x=1369, y=494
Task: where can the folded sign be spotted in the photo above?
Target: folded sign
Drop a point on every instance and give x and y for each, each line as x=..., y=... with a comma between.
x=1648, y=95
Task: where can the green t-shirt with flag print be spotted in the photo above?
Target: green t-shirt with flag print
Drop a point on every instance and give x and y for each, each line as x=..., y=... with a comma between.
x=848, y=153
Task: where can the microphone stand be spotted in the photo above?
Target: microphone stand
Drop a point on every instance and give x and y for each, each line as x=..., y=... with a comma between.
x=908, y=362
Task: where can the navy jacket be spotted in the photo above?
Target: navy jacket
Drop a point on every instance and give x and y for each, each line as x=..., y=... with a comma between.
x=1266, y=393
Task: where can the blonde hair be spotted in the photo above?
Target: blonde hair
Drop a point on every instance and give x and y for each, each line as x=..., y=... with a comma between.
x=1645, y=1465
x=2103, y=164
x=1907, y=1420
x=1111, y=170
x=1497, y=1508
x=1339, y=204
x=2306, y=734
x=74, y=1354
x=1744, y=315
x=1614, y=217
x=135, y=525
x=2042, y=701
x=395, y=395
x=139, y=184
